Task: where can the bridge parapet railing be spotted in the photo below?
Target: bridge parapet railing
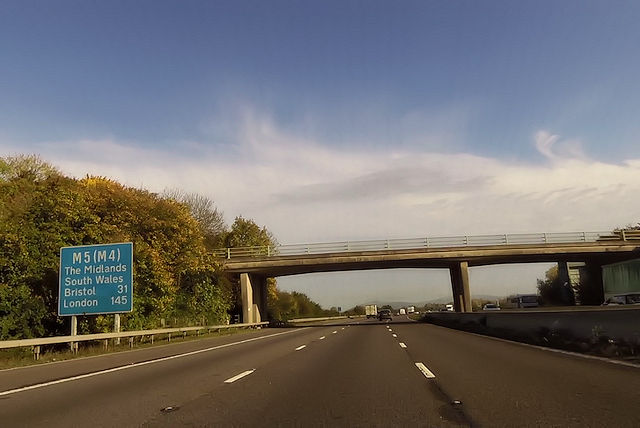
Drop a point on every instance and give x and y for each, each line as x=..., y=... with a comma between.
x=629, y=234
x=427, y=242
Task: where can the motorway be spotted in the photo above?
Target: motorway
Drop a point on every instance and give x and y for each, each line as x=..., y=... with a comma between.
x=355, y=373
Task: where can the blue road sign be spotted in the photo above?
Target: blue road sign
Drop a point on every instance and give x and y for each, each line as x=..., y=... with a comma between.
x=96, y=279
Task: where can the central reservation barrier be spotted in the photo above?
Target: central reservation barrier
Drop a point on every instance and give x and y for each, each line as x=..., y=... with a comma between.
x=588, y=324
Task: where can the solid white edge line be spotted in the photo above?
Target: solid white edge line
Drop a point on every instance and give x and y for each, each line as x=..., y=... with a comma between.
x=301, y=347
x=402, y=345
x=143, y=363
x=425, y=371
x=239, y=376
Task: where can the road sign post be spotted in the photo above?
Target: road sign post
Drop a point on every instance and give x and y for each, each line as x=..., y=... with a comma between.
x=74, y=332
x=116, y=327
x=96, y=279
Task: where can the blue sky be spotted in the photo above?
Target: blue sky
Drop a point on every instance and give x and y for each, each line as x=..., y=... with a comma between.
x=156, y=72
x=354, y=119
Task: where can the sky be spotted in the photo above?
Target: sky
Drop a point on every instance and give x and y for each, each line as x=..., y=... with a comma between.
x=342, y=120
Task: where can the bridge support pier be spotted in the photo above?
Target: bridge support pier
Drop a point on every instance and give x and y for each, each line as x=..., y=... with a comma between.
x=593, y=276
x=563, y=272
x=460, y=286
x=564, y=276
x=253, y=289
x=586, y=281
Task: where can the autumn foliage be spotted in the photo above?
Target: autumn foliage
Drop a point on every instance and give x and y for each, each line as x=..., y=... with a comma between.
x=177, y=281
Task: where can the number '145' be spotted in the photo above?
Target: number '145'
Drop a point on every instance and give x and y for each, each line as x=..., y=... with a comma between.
x=119, y=300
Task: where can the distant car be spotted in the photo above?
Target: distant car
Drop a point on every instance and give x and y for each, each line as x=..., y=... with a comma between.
x=623, y=299
x=384, y=314
x=491, y=307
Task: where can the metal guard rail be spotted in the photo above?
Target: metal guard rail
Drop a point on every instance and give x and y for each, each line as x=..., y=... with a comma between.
x=427, y=242
x=20, y=343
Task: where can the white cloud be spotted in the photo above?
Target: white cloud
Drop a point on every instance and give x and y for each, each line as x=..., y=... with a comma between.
x=555, y=149
x=308, y=191
x=305, y=190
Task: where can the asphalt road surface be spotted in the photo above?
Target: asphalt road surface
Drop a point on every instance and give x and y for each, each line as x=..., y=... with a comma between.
x=357, y=373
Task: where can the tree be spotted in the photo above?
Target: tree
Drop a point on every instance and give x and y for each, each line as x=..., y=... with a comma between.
x=41, y=210
x=209, y=218
x=297, y=305
x=28, y=167
x=629, y=227
x=553, y=291
x=356, y=310
x=246, y=233
x=286, y=306
x=20, y=313
x=551, y=274
x=175, y=274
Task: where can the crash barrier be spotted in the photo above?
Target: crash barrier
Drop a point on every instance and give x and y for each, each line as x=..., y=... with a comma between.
x=618, y=324
x=36, y=344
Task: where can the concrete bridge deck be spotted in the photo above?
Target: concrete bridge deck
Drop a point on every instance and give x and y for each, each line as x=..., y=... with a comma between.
x=255, y=264
x=603, y=252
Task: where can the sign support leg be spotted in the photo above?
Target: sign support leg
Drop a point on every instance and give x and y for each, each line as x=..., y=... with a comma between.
x=116, y=327
x=74, y=332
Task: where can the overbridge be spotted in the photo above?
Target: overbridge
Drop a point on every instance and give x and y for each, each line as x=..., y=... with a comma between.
x=254, y=265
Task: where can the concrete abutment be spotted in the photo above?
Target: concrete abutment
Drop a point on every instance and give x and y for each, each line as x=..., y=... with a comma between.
x=253, y=290
x=460, y=286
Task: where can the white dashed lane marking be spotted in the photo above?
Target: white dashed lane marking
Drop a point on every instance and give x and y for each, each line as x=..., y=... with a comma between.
x=402, y=345
x=239, y=376
x=301, y=347
x=134, y=365
x=425, y=371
